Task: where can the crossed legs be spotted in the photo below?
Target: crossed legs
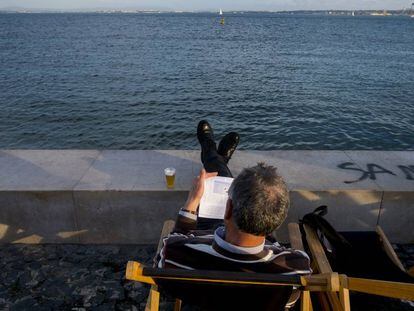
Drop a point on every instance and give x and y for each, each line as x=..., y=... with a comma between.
x=215, y=160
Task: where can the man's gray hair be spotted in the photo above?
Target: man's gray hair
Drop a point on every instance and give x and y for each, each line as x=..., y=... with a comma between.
x=260, y=200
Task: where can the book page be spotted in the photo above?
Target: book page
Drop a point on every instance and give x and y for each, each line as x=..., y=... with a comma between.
x=213, y=202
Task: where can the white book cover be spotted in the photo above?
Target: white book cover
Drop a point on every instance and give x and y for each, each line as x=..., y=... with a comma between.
x=213, y=201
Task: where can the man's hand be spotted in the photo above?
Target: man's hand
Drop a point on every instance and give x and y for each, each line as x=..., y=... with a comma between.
x=197, y=190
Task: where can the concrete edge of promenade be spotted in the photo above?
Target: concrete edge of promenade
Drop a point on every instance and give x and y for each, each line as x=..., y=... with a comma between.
x=119, y=196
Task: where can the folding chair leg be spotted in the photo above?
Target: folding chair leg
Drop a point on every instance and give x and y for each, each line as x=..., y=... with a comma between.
x=344, y=297
x=177, y=305
x=153, y=301
x=305, y=301
x=344, y=293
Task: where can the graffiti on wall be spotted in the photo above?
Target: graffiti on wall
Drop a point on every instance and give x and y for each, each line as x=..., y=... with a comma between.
x=373, y=171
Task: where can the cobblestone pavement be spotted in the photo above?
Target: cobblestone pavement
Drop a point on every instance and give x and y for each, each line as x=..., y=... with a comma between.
x=91, y=277
x=70, y=277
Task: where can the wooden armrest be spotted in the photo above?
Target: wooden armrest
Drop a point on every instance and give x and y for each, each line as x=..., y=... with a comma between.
x=316, y=282
x=295, y=237
x=382, y=288
x=317, y=250
x=388, y=248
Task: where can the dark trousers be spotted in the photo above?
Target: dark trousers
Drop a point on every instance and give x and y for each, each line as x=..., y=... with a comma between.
x=213, y=162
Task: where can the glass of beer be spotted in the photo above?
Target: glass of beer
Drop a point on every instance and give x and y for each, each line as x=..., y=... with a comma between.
x=170, y=177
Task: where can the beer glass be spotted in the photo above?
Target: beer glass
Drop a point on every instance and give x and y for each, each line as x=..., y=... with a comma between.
x=170, y=177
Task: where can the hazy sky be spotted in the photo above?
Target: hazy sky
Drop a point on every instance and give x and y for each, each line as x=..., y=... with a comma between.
x=209, y=5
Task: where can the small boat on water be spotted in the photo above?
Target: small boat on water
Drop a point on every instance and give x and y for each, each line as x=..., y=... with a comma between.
x=222, y=17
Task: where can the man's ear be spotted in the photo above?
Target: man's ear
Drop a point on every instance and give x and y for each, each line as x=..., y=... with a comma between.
x=229, y=210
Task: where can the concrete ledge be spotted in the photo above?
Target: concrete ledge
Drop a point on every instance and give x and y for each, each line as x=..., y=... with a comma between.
x=119, y=196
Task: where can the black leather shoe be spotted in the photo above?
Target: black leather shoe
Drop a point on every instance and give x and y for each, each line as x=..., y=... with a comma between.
x=204, y=132
x=205, y=137
x=228, y=145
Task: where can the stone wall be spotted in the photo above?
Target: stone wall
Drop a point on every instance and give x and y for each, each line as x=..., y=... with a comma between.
x=119, y=196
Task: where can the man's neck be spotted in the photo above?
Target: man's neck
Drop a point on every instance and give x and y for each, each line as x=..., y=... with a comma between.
x=236, y=237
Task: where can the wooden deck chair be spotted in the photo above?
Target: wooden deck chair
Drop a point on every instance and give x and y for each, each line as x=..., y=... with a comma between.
x=333, y=301
x=241, y=284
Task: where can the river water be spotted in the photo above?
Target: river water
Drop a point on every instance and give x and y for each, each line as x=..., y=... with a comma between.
x=142, y=81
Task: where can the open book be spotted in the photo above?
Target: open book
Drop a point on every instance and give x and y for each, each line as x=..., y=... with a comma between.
x=213, y=201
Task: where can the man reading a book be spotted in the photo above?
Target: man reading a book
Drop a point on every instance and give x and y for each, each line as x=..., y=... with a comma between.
x=257, y=204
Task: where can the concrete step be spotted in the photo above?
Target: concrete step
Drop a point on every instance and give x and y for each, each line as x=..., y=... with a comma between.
x=119, y=196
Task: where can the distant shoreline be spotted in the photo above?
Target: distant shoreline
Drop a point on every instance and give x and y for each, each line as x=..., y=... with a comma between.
x=381, y=12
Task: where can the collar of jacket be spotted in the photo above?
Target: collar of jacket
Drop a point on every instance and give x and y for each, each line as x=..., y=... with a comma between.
x=221, y=246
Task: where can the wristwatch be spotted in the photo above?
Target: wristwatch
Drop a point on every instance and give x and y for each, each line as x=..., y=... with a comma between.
x=188, y=211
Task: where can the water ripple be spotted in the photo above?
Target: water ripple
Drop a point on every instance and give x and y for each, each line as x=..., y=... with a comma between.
x=142, y=81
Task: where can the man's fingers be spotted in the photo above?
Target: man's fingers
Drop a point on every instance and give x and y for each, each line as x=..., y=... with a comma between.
x=205, y=175
x=213, y=174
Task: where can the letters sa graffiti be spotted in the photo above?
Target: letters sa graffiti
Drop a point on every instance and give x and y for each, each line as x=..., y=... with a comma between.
x=372, y=170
